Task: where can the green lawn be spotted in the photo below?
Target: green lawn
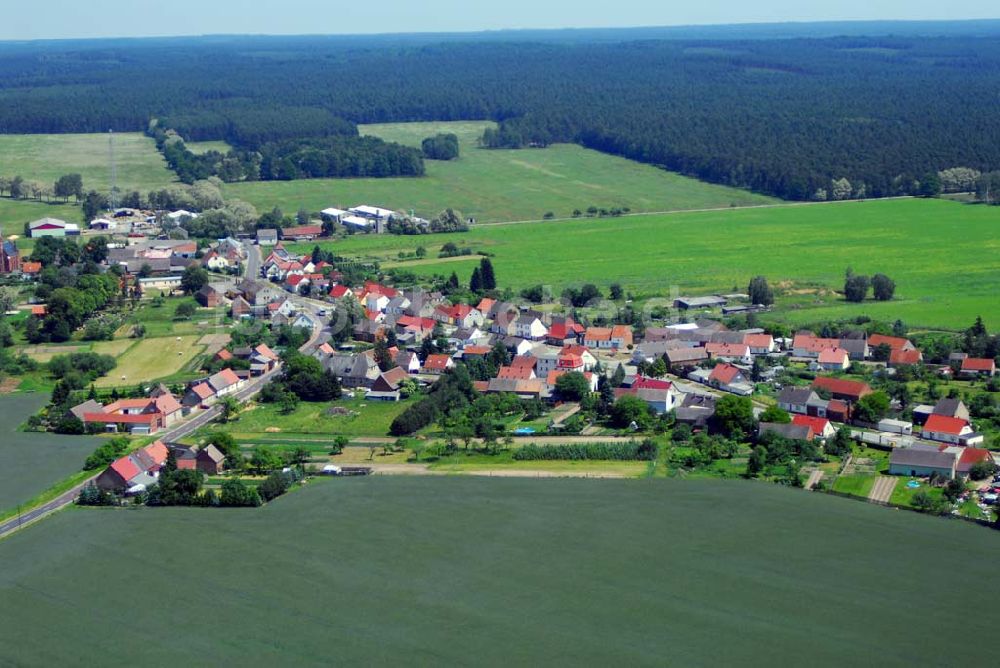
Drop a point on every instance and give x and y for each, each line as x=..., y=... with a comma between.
x=495, y=185
x=456, y=570
x=29, y=462
x=370, y=418
x=944, y=256
x=47, y=157
x=855, y=485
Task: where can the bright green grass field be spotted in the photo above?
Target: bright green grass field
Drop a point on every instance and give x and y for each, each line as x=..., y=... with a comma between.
x=47, y=157
x=458, y=571
x=30, y=463
x=944, y=256
x=498, y=185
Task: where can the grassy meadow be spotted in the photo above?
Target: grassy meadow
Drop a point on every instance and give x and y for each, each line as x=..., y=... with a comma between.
x=30, y=463
x=455, y=570
x=500, y=185
x=47, y=157
x=153, y=359
x=943, y=256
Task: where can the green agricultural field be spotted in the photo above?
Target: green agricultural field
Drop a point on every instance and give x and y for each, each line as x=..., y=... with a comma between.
x=29, y=462
x=496, y=185
x=47, y=157
x=153, y=359
x=458, y=570
x=916, y=242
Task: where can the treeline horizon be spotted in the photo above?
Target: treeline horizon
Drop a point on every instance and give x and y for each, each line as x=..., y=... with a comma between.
x=798, y=118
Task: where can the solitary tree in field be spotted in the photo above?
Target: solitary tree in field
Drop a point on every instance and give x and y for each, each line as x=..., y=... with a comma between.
x=228, y=407
x=760, y=292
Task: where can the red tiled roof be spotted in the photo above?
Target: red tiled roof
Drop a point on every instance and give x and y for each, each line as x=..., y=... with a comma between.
x=832, y=356
x=523, y=361
x=38, y=309
x=339, y=291
x=943, y=424
x=978, y=364
x=972, y=456
x=224, y=355
x=203, y=390
x=31, y=267
x=851, y=388
x=818, y=424
x=724, y=373
x=437, y=362
x=900, y=356
x=515, y=372
x=597, y=334
x=477, y=350
x=302, y=231
x=758, y=340
x=727, y=349
x=575, y=349
x=125, y=468
x=157, y=450
x=894, y=342
x=265, y=351
x=121, y=418
x=836, y=406
x=643, y=383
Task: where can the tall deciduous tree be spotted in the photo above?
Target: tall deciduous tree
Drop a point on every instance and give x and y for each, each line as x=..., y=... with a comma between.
x=760, y=292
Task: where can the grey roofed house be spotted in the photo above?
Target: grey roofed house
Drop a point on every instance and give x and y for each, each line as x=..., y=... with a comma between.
x=904, y=461
x=951, y=408
x=727, y=337
x=652, y=350
x=89, y=406
x=857, y=349
x=795, y=432
x=358, y=370
x=267, y=237
x=686, y=355
x=796, y=395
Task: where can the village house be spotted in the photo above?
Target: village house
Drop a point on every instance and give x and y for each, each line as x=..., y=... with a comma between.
x=833, y=359
x=793, y=432
x=135, y=472
x=729, y=378
x=438, y=364
x=210, y=297
x=357, y=370
x=821, y=427
x=973, y=367
x=695, y=410
x=529, y=326
x=524, y=389
x=729, y=352
x=796, y=399
x=680, y=360
x=922, y=462
x=950, y=430
x=841, y=388
x=387, y=386
x=760, y=344
x=302, y=233
x=408, y=361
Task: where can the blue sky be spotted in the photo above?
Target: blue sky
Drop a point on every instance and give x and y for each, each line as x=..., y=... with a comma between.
x=102, y=18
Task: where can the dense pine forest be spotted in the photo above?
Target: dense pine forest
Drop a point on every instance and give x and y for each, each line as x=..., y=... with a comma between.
x=799, y=118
